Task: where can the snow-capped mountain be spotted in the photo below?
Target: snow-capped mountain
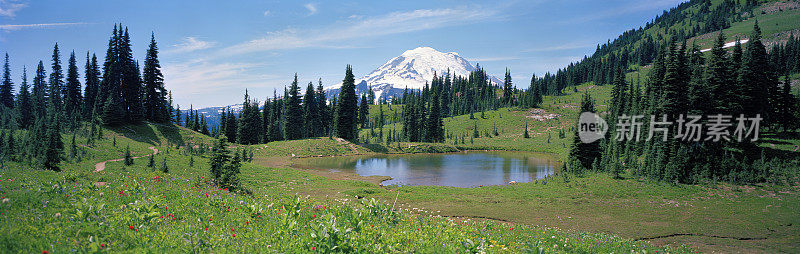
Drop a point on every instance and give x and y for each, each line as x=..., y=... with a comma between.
x=410, y=70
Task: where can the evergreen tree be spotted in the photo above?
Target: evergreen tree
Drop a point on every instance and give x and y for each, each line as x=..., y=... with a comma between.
x=151, y=163
x=525, y=134
x=347, y=108
x=249, y=129
x=24, y=103
x=128, y=159
x=717, y=78
x=324, y=114
x=787, y=106
x=164, y=167
x=363, y=111
x=155, y=101
x=56, y=81
x=92, y=85
x=294, y=113
x=584, y=153
x=756, y=78
x=311, y=115
x=40, y=92
x=230, y=125
x=131, y=81
x=508, y=89
x=177, y=117
x=230, y=174
x=51, y=150
x=72, y=89
x=219, y=158
x=7, y=87
x=113, y=111
x=435, y=127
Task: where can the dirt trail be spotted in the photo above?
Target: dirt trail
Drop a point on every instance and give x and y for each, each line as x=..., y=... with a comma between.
x=351, y=145
x=100, y=166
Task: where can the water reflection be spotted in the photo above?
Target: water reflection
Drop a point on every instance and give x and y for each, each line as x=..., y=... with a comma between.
x=454, y=169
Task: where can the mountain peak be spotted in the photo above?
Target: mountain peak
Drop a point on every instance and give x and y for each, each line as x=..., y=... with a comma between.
x=412, y=69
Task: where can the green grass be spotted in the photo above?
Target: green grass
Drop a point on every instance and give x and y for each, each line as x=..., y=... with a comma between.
x=139, y=209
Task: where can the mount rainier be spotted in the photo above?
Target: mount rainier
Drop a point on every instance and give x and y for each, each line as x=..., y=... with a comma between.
x=412, y=70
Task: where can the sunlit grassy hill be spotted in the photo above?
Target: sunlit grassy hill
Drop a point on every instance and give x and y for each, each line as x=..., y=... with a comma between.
x=138, y=208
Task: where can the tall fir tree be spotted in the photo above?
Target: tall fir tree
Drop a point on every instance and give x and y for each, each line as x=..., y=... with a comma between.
x=311, y=113
x=508, y=89
x=40, y=91
x=155, y=101
x=756, y=78
x=219, y=158
x=72, y=89
x=56, y=81
x=24, y=102
x=91, y=85
x=230, y=125
x=346, y=119
x=7, y=86
x=249, y=130
x=718, y=81
x=52, y=147
x=435, y=127
x=363, y=111
x=584, y=153
x=294, y=113
x=131, y=81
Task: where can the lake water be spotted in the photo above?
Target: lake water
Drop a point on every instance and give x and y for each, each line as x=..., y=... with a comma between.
x=466, y=169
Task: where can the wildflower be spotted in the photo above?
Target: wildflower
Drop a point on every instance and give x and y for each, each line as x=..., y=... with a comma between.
x=313, y=248
x=234, y=235
x=45, y=252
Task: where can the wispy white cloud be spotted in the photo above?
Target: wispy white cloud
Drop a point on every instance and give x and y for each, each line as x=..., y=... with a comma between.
x=190, y=44
x=312, y=8
x=9, y=8
x=33, y=26
x=334, y=36
x=266, y=13
x=203, y=77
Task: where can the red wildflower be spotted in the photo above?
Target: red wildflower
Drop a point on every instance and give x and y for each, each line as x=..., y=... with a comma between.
x=45, y=252
x=209, y=219
x=313, y=248
x=102, y=245
x=234, y=235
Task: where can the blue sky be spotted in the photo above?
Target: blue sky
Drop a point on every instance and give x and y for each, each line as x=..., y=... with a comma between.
x=212, y=50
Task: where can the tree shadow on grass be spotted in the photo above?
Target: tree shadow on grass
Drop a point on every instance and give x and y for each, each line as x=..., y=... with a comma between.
x=140, y=133
x=146, y=133
x=377, y=148
x=171, y=133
